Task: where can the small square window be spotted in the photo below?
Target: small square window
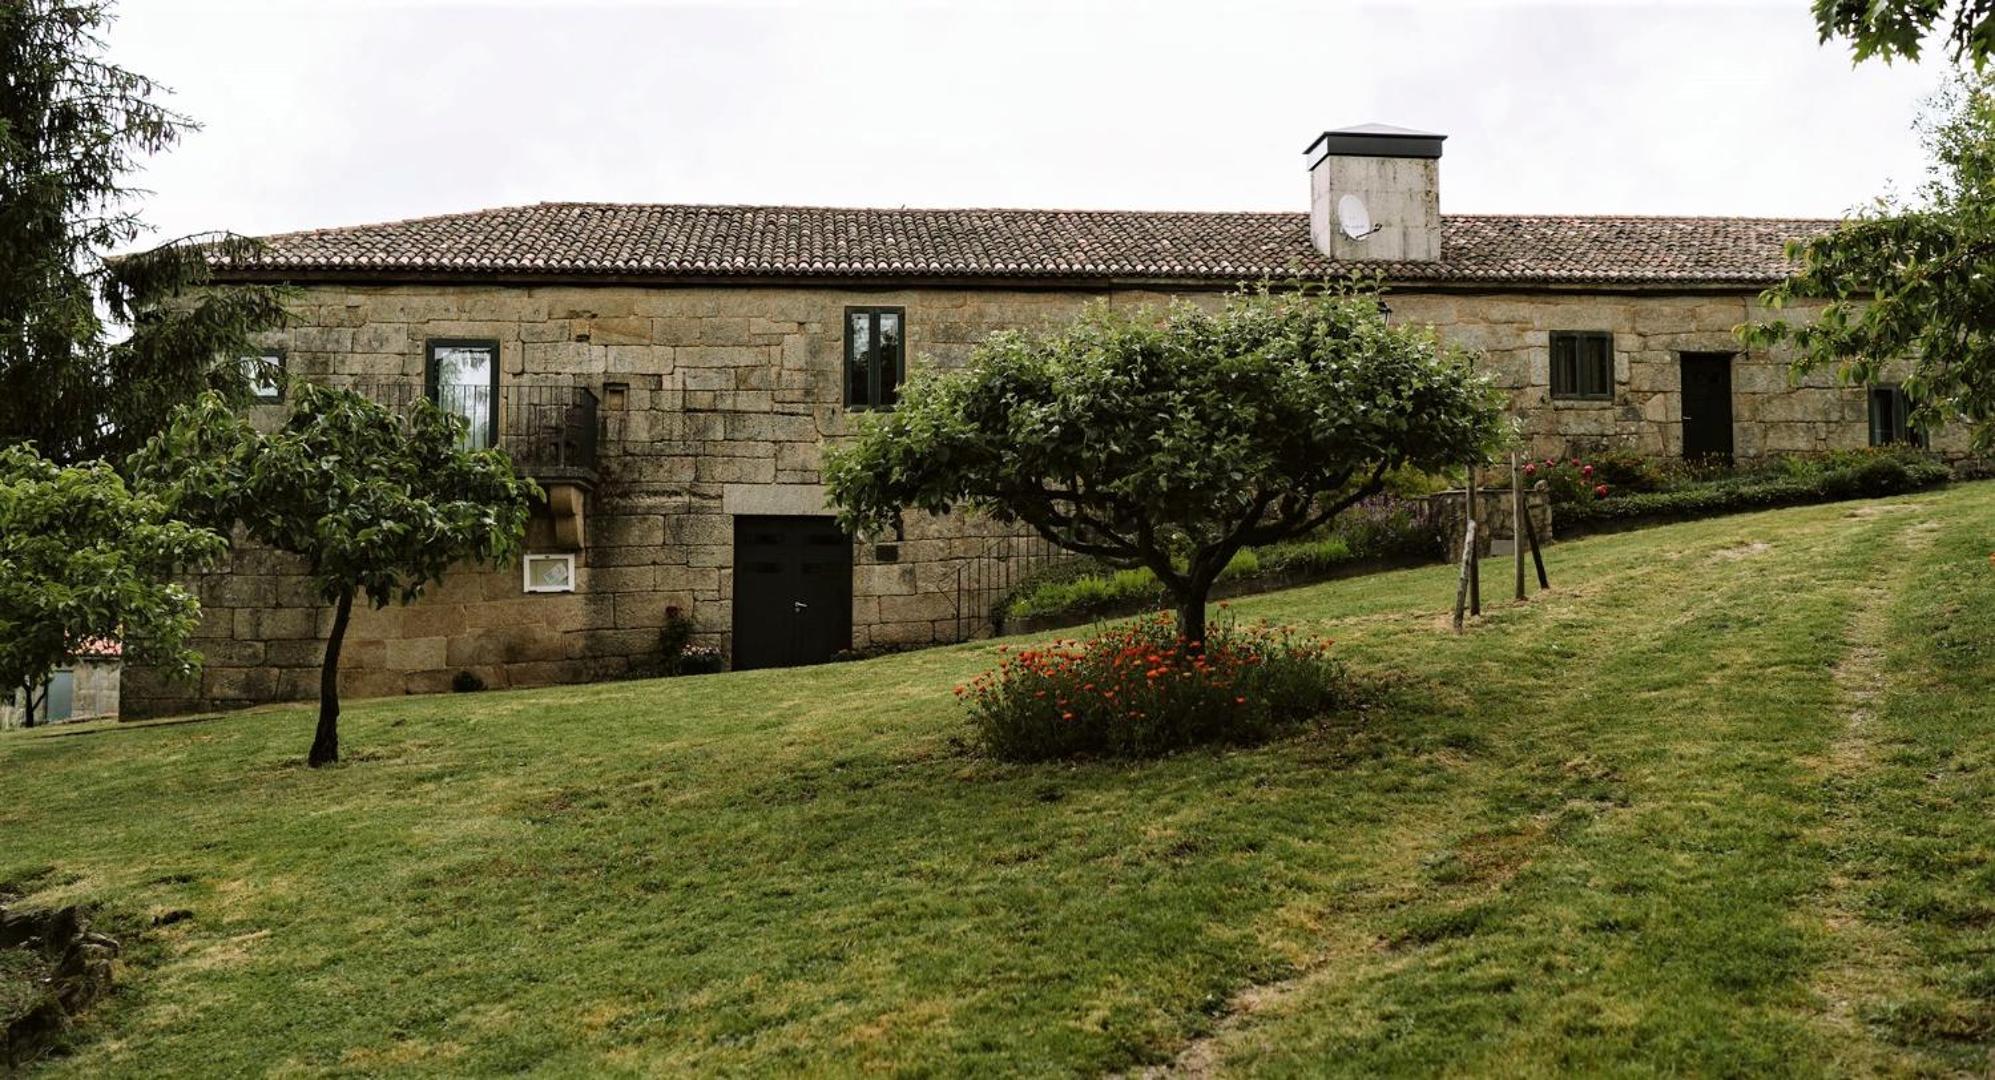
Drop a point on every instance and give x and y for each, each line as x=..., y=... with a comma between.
x=550, y=573
x=875, y=339
x=1582, y=365
x=266, y=376
x=1890, y=418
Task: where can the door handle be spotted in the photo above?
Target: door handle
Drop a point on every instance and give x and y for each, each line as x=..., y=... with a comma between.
x=799, y=606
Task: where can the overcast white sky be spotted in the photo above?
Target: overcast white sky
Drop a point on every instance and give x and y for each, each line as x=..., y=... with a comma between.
x=328, y=113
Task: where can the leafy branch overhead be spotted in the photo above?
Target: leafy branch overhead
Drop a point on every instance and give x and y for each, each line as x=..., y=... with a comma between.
x=1893, y=29
x=1906, y=286
x=1172, y=440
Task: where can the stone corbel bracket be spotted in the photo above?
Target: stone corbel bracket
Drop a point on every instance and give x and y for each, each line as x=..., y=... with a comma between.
x=564, y=511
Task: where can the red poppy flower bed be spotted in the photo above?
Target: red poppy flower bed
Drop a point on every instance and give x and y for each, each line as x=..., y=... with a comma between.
x=1141, y=690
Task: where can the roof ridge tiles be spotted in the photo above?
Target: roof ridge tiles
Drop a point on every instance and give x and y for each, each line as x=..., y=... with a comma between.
x=766, y=241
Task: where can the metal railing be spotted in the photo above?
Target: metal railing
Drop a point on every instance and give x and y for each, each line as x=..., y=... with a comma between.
x=986, y=579
x=547, y=429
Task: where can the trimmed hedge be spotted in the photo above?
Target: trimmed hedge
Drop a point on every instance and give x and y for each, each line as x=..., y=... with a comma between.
x=1865, y=476
x=1647, y=491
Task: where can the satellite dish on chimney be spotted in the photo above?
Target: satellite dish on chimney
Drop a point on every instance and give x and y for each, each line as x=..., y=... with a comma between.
x=1353, y=219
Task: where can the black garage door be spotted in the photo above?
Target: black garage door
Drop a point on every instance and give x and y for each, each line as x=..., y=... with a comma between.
x=792, y=591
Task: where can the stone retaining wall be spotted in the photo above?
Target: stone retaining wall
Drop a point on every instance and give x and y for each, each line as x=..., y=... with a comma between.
x=1495, y=518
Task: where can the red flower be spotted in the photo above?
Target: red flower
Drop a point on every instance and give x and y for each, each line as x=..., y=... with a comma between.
x=1586, y=471
x=1530, y=468
x=1600, y=492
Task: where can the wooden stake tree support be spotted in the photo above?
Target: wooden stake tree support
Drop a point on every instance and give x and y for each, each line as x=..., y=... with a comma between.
x=1531, y=533
x=1517, y=515
x=1468, y=561
x=1475, y=557
x=1468, y=589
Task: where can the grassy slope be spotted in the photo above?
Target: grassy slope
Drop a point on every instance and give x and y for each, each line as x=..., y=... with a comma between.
x=1718, y=803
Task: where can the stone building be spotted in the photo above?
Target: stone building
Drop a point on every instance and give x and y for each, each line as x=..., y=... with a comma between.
x=673, y=374
x=84, y=689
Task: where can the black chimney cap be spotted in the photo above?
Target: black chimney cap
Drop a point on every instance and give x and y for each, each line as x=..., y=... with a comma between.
x=1375, y=140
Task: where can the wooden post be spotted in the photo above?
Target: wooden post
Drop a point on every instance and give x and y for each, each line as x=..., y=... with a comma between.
x=1517, y=520
x=1468, y=560
x=1531, y=532
x=1475, y=557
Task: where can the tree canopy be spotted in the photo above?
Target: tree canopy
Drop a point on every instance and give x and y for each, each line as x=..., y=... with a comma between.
x=1911, y=282
x=379, y=504
x=1890, y=29
x=1172, y=442
x=72, y=129
x=83, y=559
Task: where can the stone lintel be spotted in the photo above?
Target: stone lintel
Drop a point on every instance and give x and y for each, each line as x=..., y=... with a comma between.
x=775, y=500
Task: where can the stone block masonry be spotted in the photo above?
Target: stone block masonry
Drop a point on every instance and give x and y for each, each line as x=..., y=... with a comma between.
x=725, y=401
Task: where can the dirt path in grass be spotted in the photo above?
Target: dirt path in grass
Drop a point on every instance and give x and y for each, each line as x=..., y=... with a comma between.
x=1344, y=948
x=1866, y=961
x=1341, y=948
x=1869, y=961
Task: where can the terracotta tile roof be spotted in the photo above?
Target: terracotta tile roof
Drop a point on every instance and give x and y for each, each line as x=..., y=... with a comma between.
x=674, y=241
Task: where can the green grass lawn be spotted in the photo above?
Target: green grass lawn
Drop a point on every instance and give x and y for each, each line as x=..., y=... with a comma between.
x=1719, y=803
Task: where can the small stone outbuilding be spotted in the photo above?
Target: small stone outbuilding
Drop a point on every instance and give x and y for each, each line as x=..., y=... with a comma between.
x=85, y=689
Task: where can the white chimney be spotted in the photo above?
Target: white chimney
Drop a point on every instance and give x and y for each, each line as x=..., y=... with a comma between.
x=1375, y=194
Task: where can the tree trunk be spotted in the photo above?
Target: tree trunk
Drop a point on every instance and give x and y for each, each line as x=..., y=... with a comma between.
x=1196, y=587
x=1191, y=615
x=1191, y=620
x=28, y=704
x=325, y=744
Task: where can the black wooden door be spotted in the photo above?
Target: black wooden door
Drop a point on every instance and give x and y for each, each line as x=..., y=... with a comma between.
x=792, y=591
x=1707, y=405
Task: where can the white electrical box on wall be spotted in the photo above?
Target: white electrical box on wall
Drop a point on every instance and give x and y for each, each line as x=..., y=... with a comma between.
x=549, y=573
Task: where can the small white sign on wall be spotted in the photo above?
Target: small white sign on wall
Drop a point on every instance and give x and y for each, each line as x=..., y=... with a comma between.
x=550, y=573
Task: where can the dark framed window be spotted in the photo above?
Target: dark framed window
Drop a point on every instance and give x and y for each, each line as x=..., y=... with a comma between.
x=875, y=344
x=1890, y=418
x=462, y=377
x=1583, y=365
x=266, y=375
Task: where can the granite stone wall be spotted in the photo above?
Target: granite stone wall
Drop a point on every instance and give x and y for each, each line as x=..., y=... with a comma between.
x=720, y=401
x=1772, y=414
